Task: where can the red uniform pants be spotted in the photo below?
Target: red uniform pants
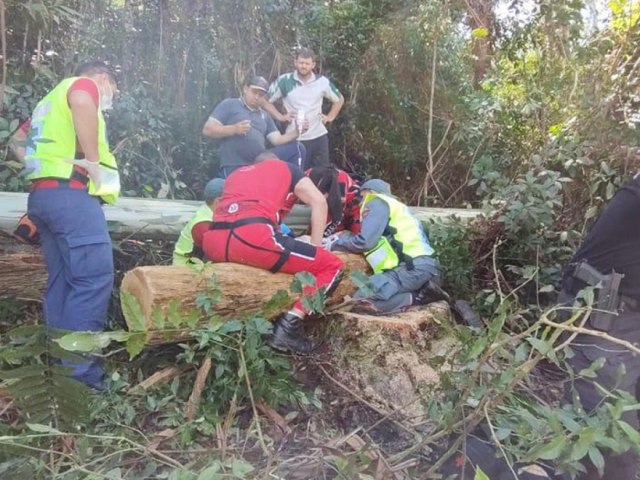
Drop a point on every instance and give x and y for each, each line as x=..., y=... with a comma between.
x=260, y=245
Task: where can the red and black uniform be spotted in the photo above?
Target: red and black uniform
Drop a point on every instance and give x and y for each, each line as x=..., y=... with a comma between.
x=350, y=191
x=245, y=228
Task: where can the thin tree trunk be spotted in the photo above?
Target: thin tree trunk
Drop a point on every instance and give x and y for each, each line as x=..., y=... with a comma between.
x=3, y=37
x=480, y=15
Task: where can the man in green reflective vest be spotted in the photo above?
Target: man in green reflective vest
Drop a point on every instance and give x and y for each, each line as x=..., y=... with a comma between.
x=189, y=244
x=396, y=247
x=72, y=171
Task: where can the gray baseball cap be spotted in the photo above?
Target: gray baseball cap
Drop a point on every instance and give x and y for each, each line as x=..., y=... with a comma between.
x=377, y=185
x=213, y=189
x=259, y=83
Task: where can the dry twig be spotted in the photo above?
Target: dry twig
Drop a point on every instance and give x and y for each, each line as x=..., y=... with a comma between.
x=198, y=386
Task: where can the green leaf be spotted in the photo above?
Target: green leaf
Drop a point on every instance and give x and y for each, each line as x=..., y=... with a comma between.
x=616, y=7
x=173, y=316
x=90, y=341
x=132, y=312
x=191, y=318
x=581, y=447
x=114, y=474
x=591, y=212
x=363, y=283
x=301, y=280
x=280, y=301
x=210, y=473
x=262, y=326
x=22, y=372
x=39, y=428
x=231, y=326
x=597, y=459
x=477, y=348
x=241, y=468
x=551, y=450
x=540, y=345
x=480, y=32
x=480, y=475
x=135, y=343
x=157, y=318
x=631, y=432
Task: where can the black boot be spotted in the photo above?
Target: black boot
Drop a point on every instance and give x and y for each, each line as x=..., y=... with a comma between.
x=466, y=315
x=288, y=335
x=429, y=293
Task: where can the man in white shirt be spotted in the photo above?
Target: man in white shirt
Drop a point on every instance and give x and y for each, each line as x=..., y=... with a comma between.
x=303, y=91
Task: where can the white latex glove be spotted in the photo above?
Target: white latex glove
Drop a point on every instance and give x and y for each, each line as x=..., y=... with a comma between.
x=327, y=243
x=92, y=168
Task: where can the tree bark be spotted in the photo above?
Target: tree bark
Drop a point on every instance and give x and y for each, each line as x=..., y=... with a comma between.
x=22, y=273
x=242, y=290
x=480, y=15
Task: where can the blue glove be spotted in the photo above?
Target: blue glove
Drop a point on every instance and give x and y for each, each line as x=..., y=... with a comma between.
x=286, y=230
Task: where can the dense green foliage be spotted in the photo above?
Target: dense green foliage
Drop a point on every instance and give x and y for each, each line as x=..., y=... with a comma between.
x=540, y=138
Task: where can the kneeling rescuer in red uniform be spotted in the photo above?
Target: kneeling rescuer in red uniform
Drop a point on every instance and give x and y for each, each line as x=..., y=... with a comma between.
x=246, y=230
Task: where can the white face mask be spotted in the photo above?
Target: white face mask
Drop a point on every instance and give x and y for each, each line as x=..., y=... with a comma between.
x=106, y=97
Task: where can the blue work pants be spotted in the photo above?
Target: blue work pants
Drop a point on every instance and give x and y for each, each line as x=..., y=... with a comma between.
x=394, y=289
x=77, y=252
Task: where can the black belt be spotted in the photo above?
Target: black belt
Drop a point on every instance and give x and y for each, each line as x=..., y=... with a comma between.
x=239, y=223
x=231, y=226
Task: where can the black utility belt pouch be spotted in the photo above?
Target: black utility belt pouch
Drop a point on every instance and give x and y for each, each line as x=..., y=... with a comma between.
x=607, y=299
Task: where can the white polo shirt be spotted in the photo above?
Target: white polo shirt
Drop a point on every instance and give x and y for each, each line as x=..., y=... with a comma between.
x=307, y=96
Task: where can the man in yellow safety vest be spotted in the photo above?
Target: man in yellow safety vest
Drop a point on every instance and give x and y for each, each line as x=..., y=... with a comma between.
x=397, y=248
x=72, y=172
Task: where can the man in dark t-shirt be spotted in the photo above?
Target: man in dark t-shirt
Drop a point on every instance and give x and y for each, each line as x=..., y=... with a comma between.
x=244, y=129
x=612, y=245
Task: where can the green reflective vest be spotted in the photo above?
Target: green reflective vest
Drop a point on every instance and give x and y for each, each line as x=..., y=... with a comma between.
x=402, y=240
x=184, y=246
x=51, y=144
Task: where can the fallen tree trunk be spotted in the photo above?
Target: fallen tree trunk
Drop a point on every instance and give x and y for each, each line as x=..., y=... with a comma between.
x=162, y=219
x=173, y=291
x=140, y=218
x=22, y=272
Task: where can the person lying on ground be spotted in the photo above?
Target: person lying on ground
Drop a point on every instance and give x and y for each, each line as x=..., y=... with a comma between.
x=328, y=178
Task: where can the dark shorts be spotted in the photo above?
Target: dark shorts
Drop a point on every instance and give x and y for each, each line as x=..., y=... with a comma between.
x=317, y=151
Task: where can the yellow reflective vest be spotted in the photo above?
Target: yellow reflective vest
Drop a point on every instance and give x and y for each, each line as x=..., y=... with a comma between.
x=184, y=246
x=403, y=238
x=51, y=144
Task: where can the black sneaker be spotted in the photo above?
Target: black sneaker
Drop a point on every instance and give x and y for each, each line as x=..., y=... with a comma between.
x=429, y=293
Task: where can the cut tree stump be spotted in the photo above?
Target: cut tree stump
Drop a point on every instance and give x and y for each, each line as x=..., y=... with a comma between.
x=393, y=361
x=242, y=290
